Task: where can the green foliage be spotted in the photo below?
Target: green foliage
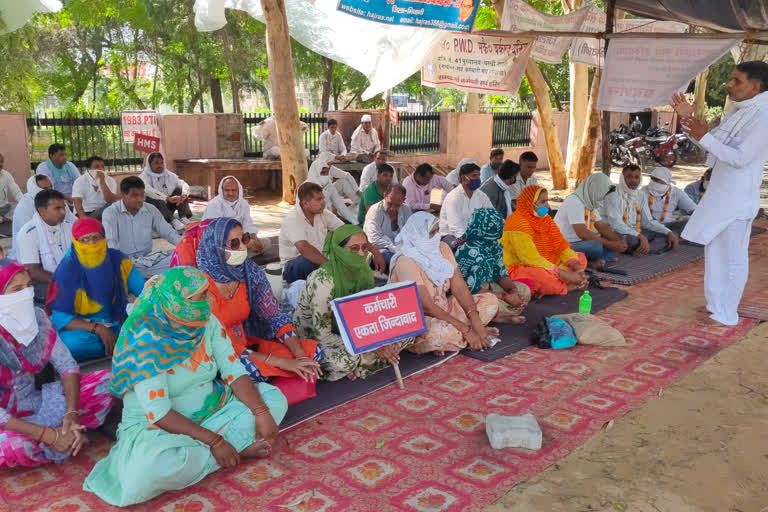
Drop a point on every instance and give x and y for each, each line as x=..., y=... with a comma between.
x=719, y=72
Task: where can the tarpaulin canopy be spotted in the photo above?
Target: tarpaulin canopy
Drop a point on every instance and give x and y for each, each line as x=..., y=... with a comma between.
x=15, y=13
x=719, y=15
x=386, y=54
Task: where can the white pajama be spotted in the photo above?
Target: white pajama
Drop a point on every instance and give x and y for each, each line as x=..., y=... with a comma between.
x=333, y=198
x=726, y=268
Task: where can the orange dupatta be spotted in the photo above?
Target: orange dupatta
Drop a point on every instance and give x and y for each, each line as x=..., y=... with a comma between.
x=543, y=231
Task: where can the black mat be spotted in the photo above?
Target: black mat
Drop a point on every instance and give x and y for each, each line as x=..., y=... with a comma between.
x=643, y=268
x=334, y=394
x=270, y=256
x=516, y=337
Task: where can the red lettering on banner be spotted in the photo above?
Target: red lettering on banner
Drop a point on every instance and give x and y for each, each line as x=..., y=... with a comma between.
x=379, y=317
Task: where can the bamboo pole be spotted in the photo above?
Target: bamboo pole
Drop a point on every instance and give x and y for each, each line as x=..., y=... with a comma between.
x=610, y=13
x=555, y=155
x=281, y=79
x=700, y=95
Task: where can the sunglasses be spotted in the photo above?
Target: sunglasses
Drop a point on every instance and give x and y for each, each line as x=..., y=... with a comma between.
x=234, y=244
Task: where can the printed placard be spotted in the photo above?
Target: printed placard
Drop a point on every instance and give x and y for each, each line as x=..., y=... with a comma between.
x=457, y=15
x=146, y=143
x=379, y=316
x=138, y=121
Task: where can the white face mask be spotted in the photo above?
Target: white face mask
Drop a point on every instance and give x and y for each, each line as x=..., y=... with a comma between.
x=17, y=315
x=658, y=189
x=237, y=257
x=323, y=180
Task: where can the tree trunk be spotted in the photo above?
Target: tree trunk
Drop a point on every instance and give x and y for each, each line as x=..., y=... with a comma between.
x=325, y=101
x=579, y=89
x=387, y=120
x=281, y=78
x=591, y=134
x=700, y=95
x=555, y=155
x=473, y=103
x=232, y=80
x=216, y=98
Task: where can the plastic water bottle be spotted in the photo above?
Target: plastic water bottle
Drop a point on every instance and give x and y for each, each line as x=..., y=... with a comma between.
x=585, y=303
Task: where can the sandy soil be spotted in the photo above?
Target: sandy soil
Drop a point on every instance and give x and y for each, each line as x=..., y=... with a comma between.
x=699, y=447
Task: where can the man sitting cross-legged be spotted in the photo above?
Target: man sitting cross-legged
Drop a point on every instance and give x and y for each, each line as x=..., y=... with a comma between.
x=667, y=203
x=385, y=219
x=419, y=186
x=580, y=223
x=128, y=225
x=302, y=235
x=627, y=213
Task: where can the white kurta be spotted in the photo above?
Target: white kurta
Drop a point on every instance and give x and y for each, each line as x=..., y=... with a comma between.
x=723, y=219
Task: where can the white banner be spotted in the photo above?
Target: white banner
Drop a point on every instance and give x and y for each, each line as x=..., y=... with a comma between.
x=521, y=17
x=643, y=73
x=138, y=121
x=478, y=63
x=591, y=51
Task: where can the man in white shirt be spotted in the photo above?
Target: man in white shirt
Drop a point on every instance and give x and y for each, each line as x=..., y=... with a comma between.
x=166, y=191
x=370, y=171
x=490, y=169
x=231, y=203
x=460, y=203
x=61, y=172
x=10, y=193
x=722, y=221
x=528, y=162
x=302, y=235
x=332, y=142
x=384, y=220
x=667, y=203
x=94, y=190
x=44, y=240
x=453, y=176
x=365, y=140
x=627, y=213
x=580, y=223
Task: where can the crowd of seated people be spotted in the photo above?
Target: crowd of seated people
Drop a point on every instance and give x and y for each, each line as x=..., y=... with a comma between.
x=196, y=336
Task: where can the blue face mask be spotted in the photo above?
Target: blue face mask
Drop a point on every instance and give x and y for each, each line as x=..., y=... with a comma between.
x=542, y=210
x=474, y=184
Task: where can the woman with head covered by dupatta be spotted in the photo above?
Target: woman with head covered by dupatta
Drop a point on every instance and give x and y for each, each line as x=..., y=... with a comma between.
x=455, y=320
x=41, y=425
x=89, y=292
x=243, y=302
x=180, y=421
x=346, y=272
x=535, y=250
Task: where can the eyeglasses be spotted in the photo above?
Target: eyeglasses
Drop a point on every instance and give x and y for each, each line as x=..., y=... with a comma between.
x=234, y=244
x=359, y=248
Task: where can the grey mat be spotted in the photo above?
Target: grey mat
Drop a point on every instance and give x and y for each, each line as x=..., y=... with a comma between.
x=272, y=255
x=334, y=394
x=643, y=268
x=516, y=337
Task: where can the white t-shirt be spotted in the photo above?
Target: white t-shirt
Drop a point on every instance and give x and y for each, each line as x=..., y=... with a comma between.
x=572, y=212
x=28, y=243
x=89, y=190
x=296, y=228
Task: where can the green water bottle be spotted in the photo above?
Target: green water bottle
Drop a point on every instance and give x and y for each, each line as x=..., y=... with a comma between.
x=585, y=303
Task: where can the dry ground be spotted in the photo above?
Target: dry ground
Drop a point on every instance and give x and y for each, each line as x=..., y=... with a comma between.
x=699, y=447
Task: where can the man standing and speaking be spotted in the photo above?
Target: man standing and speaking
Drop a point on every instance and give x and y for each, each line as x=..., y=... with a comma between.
x=723, y=220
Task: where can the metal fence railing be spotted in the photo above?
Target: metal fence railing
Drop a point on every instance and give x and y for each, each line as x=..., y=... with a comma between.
x=83, y=136
x=512, y=129
x=415, y=133
x=255, y=147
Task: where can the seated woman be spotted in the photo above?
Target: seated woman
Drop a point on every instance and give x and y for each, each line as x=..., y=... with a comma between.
x=89, y=292
x=38, y=426
x=180, y=422
x=453, y=322
x=245, y=305
x=481, y=262
x=535, y=250
x=186, y=252
x=346, y=272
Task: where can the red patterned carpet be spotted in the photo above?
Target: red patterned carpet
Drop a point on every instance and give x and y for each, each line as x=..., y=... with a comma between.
x=424, y=448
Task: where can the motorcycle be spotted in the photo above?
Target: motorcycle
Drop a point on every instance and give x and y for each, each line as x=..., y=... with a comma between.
x=620, y=153
x=658, y=149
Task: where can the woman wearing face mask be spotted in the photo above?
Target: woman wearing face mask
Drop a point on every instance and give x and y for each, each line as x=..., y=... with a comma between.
x=189, y=408
x=40, y=426
x=453, y=322
x=322, y=172
x=535, y=250
x=244, y=304
x=89, y=292
x=346, y=272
